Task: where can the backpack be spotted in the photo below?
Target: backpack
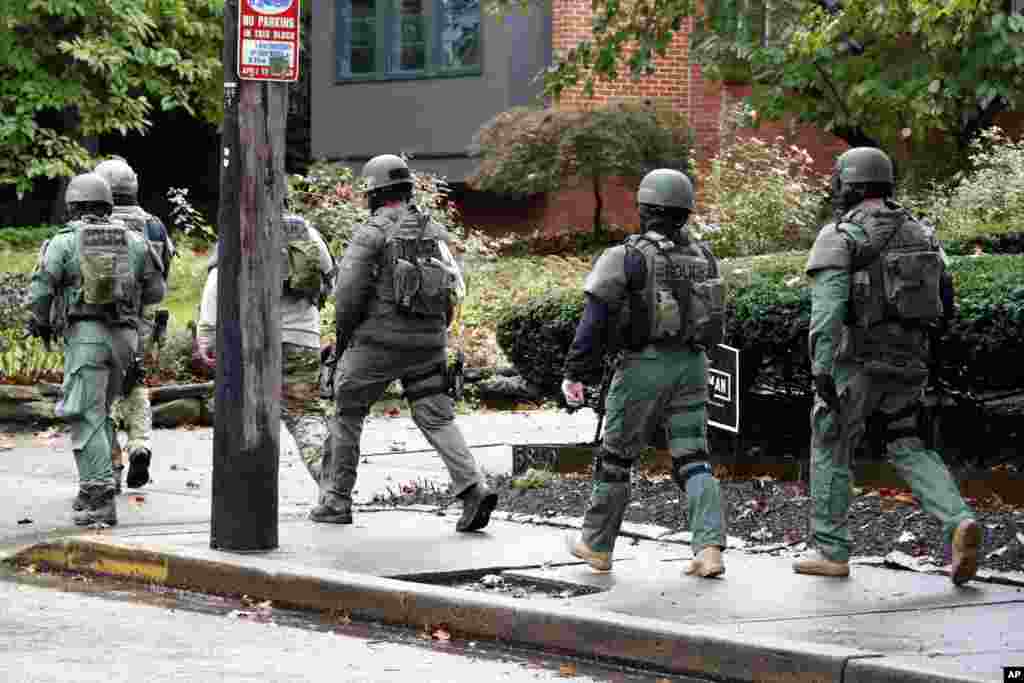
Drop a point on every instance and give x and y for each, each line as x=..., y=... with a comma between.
x=421, y=287
x=896, y=273
x=302, y=276
x=684, y=297
x=105, y=262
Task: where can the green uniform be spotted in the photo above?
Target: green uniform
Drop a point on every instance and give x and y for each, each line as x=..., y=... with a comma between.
x=878, y=368
x=99, y=342
x=382, y=343
x=655, y=287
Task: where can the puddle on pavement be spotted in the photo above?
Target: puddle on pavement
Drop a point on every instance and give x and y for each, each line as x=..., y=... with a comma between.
x=498, y=582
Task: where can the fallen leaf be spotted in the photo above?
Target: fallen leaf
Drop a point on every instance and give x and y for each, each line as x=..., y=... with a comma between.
x=441, y=633
x=31, y=569
x=567, y=669
x=392, y=412
x=25, y=520
x=906, y=498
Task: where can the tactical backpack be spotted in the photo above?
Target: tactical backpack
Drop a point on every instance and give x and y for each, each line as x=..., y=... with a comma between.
x=684, y=297
x=105, y=262
x=895, y=274
x=138, y=220
x=421, y=287
x=302, y=275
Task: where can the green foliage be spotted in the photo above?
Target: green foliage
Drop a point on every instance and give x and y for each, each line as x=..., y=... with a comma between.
x=984, y=203
x=527, y=150
x=925, y=64
x=25, y=237
x=532, y=479
x=23, y=359
x=187, y=218
x=330, y=196
x=760, y=198
x=78, y=68
x=768, y=318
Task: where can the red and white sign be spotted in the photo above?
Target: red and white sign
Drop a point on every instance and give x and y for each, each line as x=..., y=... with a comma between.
x=268, y=40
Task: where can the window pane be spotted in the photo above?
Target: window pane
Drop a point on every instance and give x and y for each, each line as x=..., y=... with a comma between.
x=409, y=52
x=460, y=33
x=357, y=37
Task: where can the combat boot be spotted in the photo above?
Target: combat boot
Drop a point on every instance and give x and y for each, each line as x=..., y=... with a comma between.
x=966, y=541
x=818, y=565
x=138, y=468
x=478, y=502
x=81, y=501
x=708, y=563
x=102, y=508
x=118, y=476
x=602, y=562
x=327, y=514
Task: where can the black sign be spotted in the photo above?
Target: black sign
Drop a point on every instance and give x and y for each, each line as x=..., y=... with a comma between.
x=723, y=383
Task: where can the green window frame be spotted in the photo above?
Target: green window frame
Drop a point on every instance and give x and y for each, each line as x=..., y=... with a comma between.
x=379, y=40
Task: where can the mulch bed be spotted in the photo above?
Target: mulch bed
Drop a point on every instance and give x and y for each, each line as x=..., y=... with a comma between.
x=764, y=512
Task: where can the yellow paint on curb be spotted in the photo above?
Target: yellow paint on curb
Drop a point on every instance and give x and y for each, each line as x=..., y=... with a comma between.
x=100, y=559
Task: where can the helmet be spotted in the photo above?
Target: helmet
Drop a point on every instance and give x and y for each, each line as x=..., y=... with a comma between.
x=88, y=187
x=854, y=167
x=666, y=187
x=385, y=170
x=119, y=175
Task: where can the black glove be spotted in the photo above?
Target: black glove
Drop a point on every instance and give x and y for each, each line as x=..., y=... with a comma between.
x=825, y=388
x=34, y=329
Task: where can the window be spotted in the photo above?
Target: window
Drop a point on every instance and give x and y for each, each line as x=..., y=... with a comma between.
x=390, y=39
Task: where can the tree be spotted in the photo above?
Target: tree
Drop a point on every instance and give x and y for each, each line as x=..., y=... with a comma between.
x=72, y=70
x=528, y=150
x=870, y=72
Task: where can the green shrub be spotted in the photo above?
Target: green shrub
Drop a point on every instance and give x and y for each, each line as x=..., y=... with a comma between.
x=768, y=319
x=759, y=198
x=26, y=237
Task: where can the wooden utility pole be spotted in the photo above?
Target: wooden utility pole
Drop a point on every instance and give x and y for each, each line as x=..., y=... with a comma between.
x=246, y=442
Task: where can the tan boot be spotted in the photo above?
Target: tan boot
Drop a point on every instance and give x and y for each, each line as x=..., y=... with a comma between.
x=602, y=562
x=966, y=541
x=708, y=563
x=816, y=564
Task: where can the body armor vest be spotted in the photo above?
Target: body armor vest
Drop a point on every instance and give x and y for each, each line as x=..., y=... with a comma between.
x=682, y=301
x=896, y=271
x=410, y=277
x=102, y=281
x=137, y=220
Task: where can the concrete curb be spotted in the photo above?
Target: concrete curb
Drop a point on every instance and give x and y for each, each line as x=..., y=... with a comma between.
x=666, y=646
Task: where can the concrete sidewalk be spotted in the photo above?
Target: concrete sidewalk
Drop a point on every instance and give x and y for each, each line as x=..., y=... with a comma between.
x=760, y=622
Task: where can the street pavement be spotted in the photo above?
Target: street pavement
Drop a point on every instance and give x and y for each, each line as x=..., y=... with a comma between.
x=879, y=625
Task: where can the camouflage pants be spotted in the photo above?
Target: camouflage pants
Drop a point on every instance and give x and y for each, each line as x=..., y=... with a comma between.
x=302, y=411
x=134, y=413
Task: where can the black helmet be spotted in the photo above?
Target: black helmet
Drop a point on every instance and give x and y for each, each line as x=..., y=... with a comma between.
x=385, y=170
x=857, y=168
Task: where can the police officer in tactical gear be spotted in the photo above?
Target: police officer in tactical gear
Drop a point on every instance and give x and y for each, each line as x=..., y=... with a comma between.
x=134, y=409
x=308, y=272
x=657, y=298
x=395, y=294
x=879, y=284
x=101, y=274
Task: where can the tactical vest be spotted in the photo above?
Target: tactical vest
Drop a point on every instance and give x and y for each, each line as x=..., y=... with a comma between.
x=683, y=298
x=410, y=277
x=137, y=219
x=896, y=271
x=301, y=257
x=102, y=281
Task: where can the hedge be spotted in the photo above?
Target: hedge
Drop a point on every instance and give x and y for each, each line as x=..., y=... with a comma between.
x=768, y=316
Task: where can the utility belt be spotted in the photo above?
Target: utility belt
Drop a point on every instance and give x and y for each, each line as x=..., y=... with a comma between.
x=671, y=344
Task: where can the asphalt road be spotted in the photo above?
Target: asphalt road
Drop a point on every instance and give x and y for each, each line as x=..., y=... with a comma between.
x=61, y=629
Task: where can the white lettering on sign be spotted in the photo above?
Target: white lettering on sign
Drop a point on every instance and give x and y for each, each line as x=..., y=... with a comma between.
x=275, y=22
x=720, y=384
x=260, y=52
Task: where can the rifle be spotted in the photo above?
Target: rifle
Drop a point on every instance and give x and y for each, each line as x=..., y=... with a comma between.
x=610, y=363
x=455, y=372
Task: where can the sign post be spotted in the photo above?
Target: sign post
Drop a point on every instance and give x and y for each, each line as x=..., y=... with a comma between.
x=259, y=49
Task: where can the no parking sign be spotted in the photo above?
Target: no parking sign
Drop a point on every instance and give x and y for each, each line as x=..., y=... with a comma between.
x=268, y=40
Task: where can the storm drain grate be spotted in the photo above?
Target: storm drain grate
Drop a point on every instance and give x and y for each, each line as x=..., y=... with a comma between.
x=501, y=581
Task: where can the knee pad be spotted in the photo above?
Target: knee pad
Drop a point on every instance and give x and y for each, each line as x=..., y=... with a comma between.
x=685, y=468
x=611, y=468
